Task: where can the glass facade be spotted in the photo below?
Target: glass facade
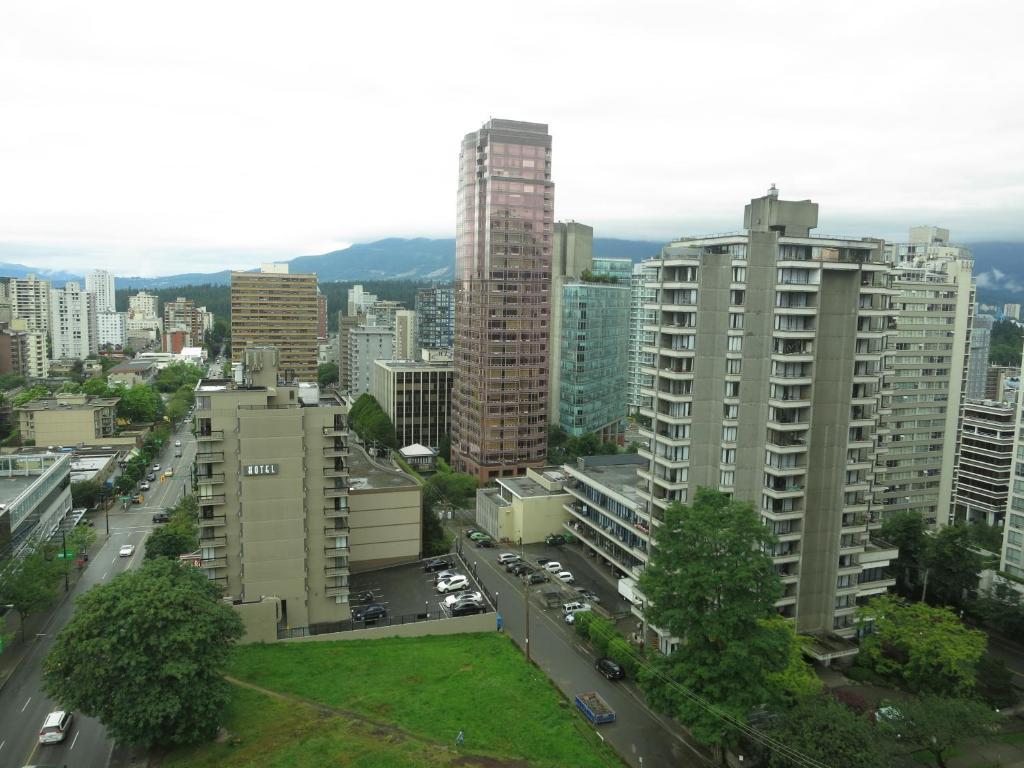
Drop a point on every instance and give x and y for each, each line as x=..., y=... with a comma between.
x=435, y=318
x=595, y=336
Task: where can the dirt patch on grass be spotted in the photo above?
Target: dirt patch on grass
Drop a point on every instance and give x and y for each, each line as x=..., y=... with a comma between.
x=490, y=762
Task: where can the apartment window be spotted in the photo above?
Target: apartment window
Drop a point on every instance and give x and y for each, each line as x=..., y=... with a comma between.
x=736, y=298
x=736, y=320
x=728, y=455
x=735, y=344
x=732, y=389
x=1015, y=537
x=731, y=411
x=733, y=366
x=729, y=434
x=727, y=477
x=739, y=274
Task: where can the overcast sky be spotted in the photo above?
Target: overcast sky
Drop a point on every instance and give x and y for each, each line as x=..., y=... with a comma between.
x=164, y=138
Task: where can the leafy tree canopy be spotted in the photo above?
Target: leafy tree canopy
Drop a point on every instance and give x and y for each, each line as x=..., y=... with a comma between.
x=1005, y=343
x=139, y=404
x=927, y=649
x=177, y=375
x=327, y=374
x=142, y=654
x=823, y=729
x=29, y=583
x=953, y=566
x=937, y=724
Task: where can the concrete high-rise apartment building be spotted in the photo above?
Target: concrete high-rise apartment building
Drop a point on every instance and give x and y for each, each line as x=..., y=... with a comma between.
x=503, y=241
x=1012, y=557
x=977, y=364
x=405, y=335
x=112, y=328
x=382, y=313
x=274, y=308
x=272, y=487
x=359, y=301
x=321, y=316
x=1011, y=311
x=366, y=345
x=100, y=283
x=30, y=301
x=346, y=324
x=15, y=354
x=435, y=318
x=766, y=383
x=934, y=305
x=183, y=315
x=589, y=336
x=642, y=317
x=984, y=462
x=73, y=331
x=143, y=305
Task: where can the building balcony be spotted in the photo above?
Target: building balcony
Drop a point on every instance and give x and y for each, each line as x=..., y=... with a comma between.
x=878, y=552
x=212, y=522
x=337, y=570
x=335, y=432
x=334, y=512
x=217, y=562
x=214, y=541
x=336, y=590
x=220, y=581
x=784, y=491
x=336, y=451
x=785, y=471
x=210, y=435
x=210, y=457
x=210, y=479
x=217, y=498
x=335, y=493
x=875, y=587
x=336, y=471
x=333, y=531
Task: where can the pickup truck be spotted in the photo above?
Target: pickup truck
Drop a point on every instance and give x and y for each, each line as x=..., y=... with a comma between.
x=594, y=708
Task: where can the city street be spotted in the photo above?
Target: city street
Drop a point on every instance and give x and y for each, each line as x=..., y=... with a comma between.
x=23, y=705
x=641, y=736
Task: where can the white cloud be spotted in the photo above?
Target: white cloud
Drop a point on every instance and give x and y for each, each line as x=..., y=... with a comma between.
x=247, y=129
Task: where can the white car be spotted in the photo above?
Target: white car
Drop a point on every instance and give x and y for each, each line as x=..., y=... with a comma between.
x=565, y=576
x=444, y=575
x=552, y=566
x=55, y=727
x=454, y=583
x=156, y=467
x=505, y=557
x=468, y=594
x=144, y=485
x=127, y=550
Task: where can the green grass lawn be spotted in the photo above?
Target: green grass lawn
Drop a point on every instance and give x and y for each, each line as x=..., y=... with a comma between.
x=429, y=687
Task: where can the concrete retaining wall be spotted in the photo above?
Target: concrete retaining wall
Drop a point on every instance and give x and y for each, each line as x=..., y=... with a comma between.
x=481, y=622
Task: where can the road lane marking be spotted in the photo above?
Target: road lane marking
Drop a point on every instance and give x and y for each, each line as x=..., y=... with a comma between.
x=26, y=704
x=104, y=577
x=75, y=740
x=2, y=744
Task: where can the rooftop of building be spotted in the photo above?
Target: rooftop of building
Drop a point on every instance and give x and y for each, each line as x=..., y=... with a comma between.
x=615, y=472
x=19, y=471
x=132, y=366
x=422, y=365
x=68, y=403
x=367, y=474
x=526, y=487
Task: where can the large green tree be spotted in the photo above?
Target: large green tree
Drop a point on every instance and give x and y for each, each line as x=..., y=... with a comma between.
x=821, y=728
x=29, y=583
x=140, y=403
x=953, y=566
x=711, y=583
x=85, y=493
x=143, y=654
x=906, y=530
x=442, y=491
x=926, y=649
x=327, y=374
x=936, y=724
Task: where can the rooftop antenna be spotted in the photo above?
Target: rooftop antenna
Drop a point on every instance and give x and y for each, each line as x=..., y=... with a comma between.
x=773, y=191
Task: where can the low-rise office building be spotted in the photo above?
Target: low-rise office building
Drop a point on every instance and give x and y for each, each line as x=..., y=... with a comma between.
x=385, y=514
x=132, y=372
x=67, y=420
x=525, y=508
x=417, y=397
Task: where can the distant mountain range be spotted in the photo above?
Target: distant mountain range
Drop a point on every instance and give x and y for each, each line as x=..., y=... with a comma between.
x=999, y=266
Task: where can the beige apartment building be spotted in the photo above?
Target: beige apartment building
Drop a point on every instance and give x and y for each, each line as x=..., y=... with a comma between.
x=278, y=515
x=274, y=308
x=767, y=383
x=67, y=420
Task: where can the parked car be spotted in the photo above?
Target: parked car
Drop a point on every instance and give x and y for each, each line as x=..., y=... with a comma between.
x=156, y=467
x=509, y=565
x=177, y=443
x=520, y=569
x=589, y=594
x=477, y=535
x=161, y=517
x=468, y=594
x=144, y=485
x=609, y=669
x=445, y=574
x=537, y=577
x=543, y=560
x=504, y=557
x=370, y=612
x=136, y=499
x=437, y=564
x=554, y=539
x=55, y=727
x=470, y=531
x=126, y=550
x=151, y=476
x=565, y=576
x=485, y=543
x=456, y=582
x=552, y=566
x=467, y=608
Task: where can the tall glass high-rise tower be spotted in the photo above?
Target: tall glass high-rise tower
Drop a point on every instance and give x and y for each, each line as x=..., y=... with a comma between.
x=503, y=243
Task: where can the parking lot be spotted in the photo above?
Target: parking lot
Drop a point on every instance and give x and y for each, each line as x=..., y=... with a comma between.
x=408, y=591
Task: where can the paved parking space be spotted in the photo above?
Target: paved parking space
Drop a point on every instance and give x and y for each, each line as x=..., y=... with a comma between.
x=406, y=590
x=587, y=572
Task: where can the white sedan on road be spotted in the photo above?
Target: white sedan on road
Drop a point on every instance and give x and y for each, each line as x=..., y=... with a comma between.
x=127, y=550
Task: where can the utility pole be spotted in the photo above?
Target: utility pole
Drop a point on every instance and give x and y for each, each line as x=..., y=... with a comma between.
x=924, y=588
x=64, y=556
x=526, y=604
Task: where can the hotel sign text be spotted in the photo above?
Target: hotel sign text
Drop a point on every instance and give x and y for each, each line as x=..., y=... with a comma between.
x=251, y=470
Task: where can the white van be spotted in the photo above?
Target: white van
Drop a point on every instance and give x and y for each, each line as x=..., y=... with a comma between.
x=569, y=611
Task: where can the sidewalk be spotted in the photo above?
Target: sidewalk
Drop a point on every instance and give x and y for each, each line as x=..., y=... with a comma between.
x=15, y=651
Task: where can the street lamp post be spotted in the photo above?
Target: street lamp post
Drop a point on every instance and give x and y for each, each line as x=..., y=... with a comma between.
x=64, y=557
